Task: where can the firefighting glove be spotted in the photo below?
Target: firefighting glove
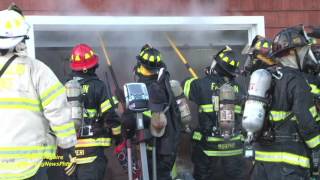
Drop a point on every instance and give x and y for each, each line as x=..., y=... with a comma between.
x=117, y=139
x=69, y=156
x=129, y=124
x=315, y=163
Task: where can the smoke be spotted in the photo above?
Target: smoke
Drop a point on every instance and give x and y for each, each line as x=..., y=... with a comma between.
x=197, y=43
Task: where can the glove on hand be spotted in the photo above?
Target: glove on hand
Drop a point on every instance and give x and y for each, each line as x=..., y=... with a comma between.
x=69, y=156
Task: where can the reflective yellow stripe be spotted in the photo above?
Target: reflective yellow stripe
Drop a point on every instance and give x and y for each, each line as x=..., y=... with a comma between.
x=85, y=160
x=219, y=139
x=313, y=142
x=147, y=113
x=115, y=100
x=224, y=153
x=53, y=92
x=32, y=170
x=313, y=111
x=64, y=130
x=90, y=142
x=237, y=109
x=187, y=86
x=116, y=130
x=27, y=152
x=197, y=136
x=207, y=108
x=282, y=157
x=20, y=103
x=278, y=115
x=314, y=89
x=149, y=147
x=90, y=113
x=318, y=117
x=105, y=106
x=174, y=171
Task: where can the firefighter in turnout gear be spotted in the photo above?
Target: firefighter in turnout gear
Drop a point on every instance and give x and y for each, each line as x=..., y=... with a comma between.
x=289, y=129
x=258, y=57
x=33, y=107
x=217, y=148
x=98, y=121
x=163, y=118
x=311, y=74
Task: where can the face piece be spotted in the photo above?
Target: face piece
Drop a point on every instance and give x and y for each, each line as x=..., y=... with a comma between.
x=311, y=62
x=253, y=63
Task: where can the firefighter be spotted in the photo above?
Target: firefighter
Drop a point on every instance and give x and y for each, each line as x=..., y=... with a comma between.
x=311, y=73
x=258, y=57
x=217, y=153
x=33, y=107
x=289, y=129
x=99, y=121
x=165, y=129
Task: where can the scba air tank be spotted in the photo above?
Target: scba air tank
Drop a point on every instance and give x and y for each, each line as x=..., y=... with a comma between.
x=255, y=106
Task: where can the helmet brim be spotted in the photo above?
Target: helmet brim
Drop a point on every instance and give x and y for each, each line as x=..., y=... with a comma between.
x=7, y=43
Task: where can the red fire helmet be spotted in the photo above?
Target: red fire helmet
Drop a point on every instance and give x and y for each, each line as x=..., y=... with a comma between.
x=83, y=58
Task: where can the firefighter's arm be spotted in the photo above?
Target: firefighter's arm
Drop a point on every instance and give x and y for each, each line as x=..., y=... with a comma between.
x=54, y=104
x=190, y=89
x=305, y=111
x=109, y=116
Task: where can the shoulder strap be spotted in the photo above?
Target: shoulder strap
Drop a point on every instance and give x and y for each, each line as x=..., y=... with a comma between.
x=6, y=65
x=87, y=79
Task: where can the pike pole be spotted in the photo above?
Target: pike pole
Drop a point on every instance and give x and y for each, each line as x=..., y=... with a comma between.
x=122, y=101
x=181, y=57
x=103, y=47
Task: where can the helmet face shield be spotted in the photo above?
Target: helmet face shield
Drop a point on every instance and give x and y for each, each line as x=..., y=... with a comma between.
x=311, y=61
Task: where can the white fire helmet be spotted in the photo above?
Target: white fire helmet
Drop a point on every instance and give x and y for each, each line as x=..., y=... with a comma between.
x=13, y=29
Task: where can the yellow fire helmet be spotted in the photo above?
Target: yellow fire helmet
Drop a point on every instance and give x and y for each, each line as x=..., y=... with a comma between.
x=13, y=28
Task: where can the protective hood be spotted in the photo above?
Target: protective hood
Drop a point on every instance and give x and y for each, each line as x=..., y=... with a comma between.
x=288, y=61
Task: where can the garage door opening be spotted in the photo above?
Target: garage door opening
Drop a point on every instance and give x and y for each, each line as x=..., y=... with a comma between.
x=199, y=38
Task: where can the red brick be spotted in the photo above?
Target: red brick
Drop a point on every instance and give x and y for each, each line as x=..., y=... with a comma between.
x=233, y=5
x=247, y=5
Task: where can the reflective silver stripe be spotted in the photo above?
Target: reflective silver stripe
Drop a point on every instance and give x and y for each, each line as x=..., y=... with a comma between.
x=20, y=103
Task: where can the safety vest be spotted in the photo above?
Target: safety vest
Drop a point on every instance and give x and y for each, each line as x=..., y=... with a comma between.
x=32, y=101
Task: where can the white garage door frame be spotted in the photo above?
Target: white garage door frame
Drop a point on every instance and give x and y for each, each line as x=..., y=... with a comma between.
x=253, y=24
